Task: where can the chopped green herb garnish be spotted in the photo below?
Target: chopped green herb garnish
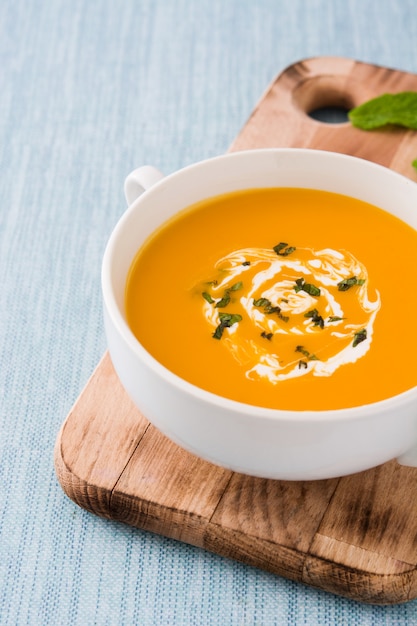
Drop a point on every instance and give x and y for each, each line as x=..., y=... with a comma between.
x=283, y=249
x=246, y=263
x=230, y=317
x=306, y=353
x=266, y=335
x=301, y=285
x=224, y=301
x=226, y=320
x=207, y=297
x=399, y=109
x=302, y=350
x=262, y=302
x=335, y=318
x=315, y=318
x=302, y=364
x=218, y=333
x=347, y=283
x=269, y=308
x=359, y=337
x=414, y=163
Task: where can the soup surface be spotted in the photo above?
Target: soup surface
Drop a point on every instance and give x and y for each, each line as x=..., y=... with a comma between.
x=284, y=298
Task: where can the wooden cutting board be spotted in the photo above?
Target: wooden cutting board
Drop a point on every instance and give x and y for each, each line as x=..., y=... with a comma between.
x=354, y=536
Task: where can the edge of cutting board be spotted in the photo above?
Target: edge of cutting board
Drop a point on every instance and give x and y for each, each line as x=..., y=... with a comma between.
x=355, y=536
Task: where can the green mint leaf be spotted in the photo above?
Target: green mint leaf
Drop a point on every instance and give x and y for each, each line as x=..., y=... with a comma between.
x=414, y=163
x=399, y=109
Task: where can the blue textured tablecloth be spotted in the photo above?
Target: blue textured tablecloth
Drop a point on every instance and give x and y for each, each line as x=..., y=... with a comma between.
x=89, y=90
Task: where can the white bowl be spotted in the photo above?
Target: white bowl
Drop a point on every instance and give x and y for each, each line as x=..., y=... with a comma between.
x=288, y=445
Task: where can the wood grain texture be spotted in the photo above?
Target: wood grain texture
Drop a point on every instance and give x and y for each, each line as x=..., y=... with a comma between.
x=281, y=117
x=355, y=536
x=97, y=439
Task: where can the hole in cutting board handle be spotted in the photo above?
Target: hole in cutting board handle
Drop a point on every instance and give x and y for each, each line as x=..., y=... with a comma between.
x=330, y=114
x=326, y=99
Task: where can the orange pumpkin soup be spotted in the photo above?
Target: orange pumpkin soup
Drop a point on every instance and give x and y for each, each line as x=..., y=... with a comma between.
x=284, y=298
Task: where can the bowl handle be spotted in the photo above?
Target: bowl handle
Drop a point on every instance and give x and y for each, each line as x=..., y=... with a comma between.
x=139, y=181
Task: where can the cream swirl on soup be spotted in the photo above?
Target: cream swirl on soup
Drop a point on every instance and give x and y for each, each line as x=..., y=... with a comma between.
x=288, y=312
